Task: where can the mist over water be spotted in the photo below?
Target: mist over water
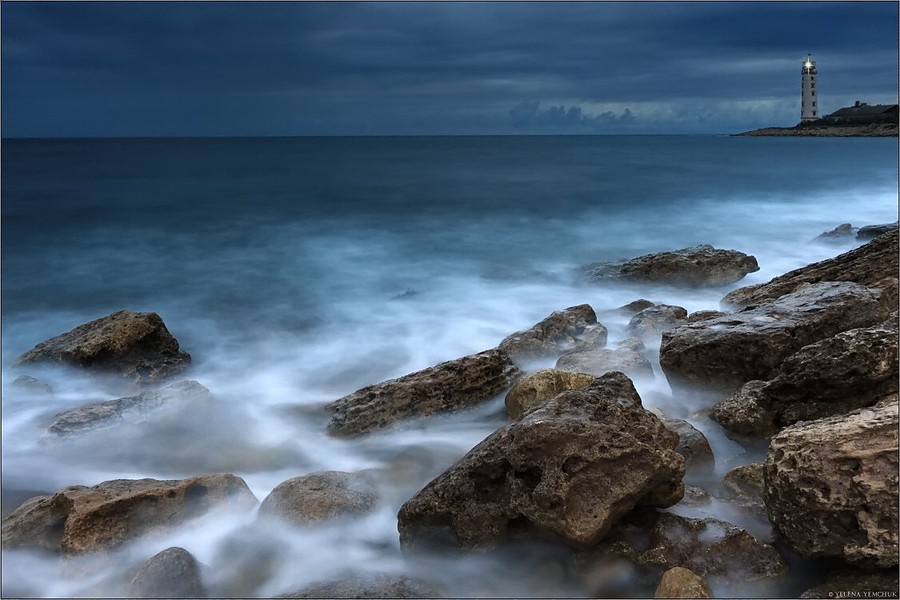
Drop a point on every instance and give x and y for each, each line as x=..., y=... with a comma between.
x=296, y=271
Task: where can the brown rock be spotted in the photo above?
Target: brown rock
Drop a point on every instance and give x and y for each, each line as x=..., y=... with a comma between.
x=562, y=331
x=569, y=468
x=540, y=386
x=605, y=360
x=172, y=573
x=696, y=266
x=745, y=487
x=656, y=319
x=354, y=585
x=85, y=519
x=866, y=265
x=445, y=387
x=831, y=486
x=135, y=346
x=320, y=496
x=679, y=582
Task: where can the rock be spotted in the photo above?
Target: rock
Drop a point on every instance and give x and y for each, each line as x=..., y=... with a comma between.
x=25, y=384
x=695, y=496
x=847, y=371
x=696, y=266
x=569, y=468
x=356, y=585
x=660, y=541
x=745, y=487
x=882, y=583
x=82, y=519
x=605, y=360
x=656, y=319
x=633, y=308
x=831, y=486
x=692, y=445
x=679, y=582
x=725, y=352
x=866, y=265
x=445, y=387
x=703, y=315
x=839, y=233
x=560, y=332
x=632, y=343
x=135, y=346
x=540, y=386
x=320, y=496
x=173, y=573
x=870, y=232
x=133, y=409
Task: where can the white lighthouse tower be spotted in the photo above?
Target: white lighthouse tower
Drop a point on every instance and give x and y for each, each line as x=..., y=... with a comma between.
x=809, y=104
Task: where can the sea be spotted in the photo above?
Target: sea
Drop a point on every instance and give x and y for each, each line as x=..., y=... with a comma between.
x=298, y=270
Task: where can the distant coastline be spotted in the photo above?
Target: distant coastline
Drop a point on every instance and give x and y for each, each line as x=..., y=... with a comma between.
x=824, y=130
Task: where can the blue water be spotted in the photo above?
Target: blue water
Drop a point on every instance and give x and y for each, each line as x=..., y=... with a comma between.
x=296, y=270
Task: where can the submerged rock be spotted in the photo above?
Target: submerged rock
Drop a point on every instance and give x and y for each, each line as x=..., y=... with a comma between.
x=445, y=387
x=600, y=361
x=679, y=582
x=726, y=352
x=570, y=468
x=320, y=496
x=540, y=386
x=696, y=266
x=867, y=265
x=81, y=519
x=172, y=573
x=839, y=233
x=656, y=319
x=30, y=386
x=562, y=331
x=135, y=346
x=831, y=486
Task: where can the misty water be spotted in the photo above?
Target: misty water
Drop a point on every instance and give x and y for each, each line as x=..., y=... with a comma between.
x=295, y=271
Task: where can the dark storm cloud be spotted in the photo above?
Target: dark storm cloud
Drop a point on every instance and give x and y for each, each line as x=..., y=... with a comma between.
x=381, y=68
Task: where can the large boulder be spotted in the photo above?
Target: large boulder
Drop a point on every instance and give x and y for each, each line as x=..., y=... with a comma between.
x=172, y=573
x=570, y=468
x=679, y=582
x=654, y=320
x=133, y=409
x=847, y=371
x=599, y=361
x=831, y=486
x=320, y=496
x=696, y=266
x=538, y=387
x=867, y=265
x=82, y=519
x=134, y=346
x=560, y=332
x=445, y=387
x=727, y=351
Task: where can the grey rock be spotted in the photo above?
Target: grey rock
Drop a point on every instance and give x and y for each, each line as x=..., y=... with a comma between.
x=320, y=496
x=356, y=585
x=28, y=385
x=538, y=387
x=605, y=360
x=656, y=319
x=633, y=308
x=560, y=332
x=745, y=487
x=870, y=232
x=172, y=573
x=634, y=344
x=693, y=446
x=839, y=233
x=695, y=266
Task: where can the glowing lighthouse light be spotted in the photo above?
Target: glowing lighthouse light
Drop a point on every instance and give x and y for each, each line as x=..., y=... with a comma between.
x=809, y=102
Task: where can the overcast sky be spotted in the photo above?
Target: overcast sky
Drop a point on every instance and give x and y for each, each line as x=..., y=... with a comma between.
x=211, y=68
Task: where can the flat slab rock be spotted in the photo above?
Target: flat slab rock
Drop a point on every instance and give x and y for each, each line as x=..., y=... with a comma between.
x=568, y=469
x=562, y=331
x=320, y=496
x=695, y=266
x=82, y=519
x=831, y=486
x=446, y=387
x=725, y=352
x=135, y=346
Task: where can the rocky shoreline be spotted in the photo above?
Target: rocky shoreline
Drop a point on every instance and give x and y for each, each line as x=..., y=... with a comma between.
x=806, y=364
x=874, y=130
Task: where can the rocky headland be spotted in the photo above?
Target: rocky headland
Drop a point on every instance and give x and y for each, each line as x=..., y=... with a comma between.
x=825, y=130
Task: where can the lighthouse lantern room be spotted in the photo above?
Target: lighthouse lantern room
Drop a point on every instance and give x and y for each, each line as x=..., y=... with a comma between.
x=809, y=104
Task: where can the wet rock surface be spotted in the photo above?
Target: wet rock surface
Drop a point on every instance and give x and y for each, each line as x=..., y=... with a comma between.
x=726, y=352
x=134, y=346
x=831, y=486
x=679, y=582
x=870, y=232
x=570, y=468
x=172, y=573
x=695, y=266
x=605, y=360
x=692, y=445
x=653, y=321
x=449, y=386
x=354, y=585
x=866, y=265
x=745, y=487
x=320, y=496
x=538, y=387
x=562, y=331
x=82, y=519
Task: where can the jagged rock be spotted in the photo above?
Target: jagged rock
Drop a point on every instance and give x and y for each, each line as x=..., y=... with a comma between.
x=870, y=232
x=605, y=360
x=695, y=266
x=656, y=319
x=725, y=352
x=172, y=573
x=354, y=585
x=135, y=346
x=679, y=582
x=445, y=387
x=839, y=233
x=882, y=583
x=692, y=445
x=850, y=370
x=562, y=331
x=81, y=519
x=703, y=315
x=866, y=265
x=831, y=486
x=540, y=386
x=320, y=496
x=28, y=385
x=133, y=409
x=571, y=468
x=745, y=486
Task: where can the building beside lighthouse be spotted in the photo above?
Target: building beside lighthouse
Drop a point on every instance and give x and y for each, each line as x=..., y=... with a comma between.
x=809, y=103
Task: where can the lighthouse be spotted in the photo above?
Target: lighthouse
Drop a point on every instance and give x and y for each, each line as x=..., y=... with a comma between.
x=809, y=105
